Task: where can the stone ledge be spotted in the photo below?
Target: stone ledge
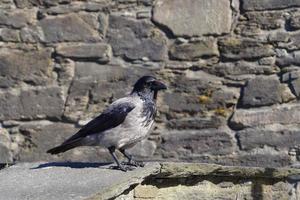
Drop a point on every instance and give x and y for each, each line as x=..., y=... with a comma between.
x=68, y=180
x=179, y=170
x=96, y=181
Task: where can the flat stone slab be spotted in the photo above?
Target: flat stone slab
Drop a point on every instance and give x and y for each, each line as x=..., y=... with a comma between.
x=68, y=180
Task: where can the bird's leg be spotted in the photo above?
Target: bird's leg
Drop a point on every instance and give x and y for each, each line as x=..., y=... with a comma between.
x=119, y=165
x=131, y=161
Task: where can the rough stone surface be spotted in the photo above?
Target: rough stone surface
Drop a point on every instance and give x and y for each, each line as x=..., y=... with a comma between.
x=69, y=28
x=69, y=180
x=22, y=66
x=5, y=147
x=279, y=137
x=235, y=48
x=136, y=39
x=195, y=50
x=262, y=91
x=31, y=104
x=241, y=68
x=195, y=18
x=99, y=52
x=284, y=114
x=196, y=142
x=268, y=4
x=17, y=19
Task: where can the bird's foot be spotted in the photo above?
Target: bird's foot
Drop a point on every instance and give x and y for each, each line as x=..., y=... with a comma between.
x=123, y=168
x=134, y=163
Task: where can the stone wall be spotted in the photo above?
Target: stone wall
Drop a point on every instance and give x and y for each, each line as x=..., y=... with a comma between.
x=232, y=68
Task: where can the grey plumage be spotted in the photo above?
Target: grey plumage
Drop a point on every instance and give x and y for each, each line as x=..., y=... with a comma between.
x=120, y=126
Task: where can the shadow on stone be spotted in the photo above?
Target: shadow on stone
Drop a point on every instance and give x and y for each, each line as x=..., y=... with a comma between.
x=75, y=165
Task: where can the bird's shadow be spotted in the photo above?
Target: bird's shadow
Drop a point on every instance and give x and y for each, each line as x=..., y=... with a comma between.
x=74, y=165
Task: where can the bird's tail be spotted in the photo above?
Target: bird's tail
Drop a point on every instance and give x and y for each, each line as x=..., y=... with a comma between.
x=65, y=147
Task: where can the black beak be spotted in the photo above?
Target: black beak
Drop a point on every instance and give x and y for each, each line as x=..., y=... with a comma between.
x=157, y=85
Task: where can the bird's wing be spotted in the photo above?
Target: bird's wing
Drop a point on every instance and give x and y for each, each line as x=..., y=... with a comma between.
x=113, y=116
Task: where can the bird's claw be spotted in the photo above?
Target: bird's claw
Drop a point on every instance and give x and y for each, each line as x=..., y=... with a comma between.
x=134, y=163
x=123, y=168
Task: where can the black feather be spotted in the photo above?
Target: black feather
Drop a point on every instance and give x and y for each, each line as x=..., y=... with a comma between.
x=65, y=147
x=110, y=118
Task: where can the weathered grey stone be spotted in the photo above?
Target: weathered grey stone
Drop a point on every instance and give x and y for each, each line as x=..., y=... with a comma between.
x=17, y=19
x=103, y=23
x=268, y=4
x=197, y=123
x=191, y=143
x=5, y=154
x=294, y=22
x=135, y=39
x=289, y=59
x=292, y=78
x=294, y=42
x=279, y=37
x=27, y=3
x=256, y=159
x=241, y=68
x=42, y=136
x=261, y=91
x=146, y=14
x=236, y=48
x=194, y=18
x=266, y=20
x=33, y=3
x=9, y=35
x=99, y=52
x=68, y=28
x=70, y=180
x=7, y=4
x=5, y=147
x=187, y=170
x=17, y=66
x=276, y=136
x=31, y=34
x=31, y=104
x=283, y=114
x=193, y=51
x=179, y=102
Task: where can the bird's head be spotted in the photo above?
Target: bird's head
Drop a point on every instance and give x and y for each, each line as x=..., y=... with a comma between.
x=148, y=84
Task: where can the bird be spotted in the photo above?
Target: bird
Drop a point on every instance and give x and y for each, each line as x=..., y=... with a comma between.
x=124, y=123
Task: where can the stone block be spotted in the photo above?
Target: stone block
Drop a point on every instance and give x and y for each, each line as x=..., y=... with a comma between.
x=241, y=68
x=195, y=50
x=236, y=49
x=250, y=5
x=276, y=136
x=188, y=143
x=196, y=123
x=257, y=117
x=9, y=35
x=193, y=18
x=6, y=155
x=262, y=91
x=99, y=52
x=31, y=104
x=18, y=18
x=67, y=28
x=294, y=22
x=23, y=66
x=136, y=39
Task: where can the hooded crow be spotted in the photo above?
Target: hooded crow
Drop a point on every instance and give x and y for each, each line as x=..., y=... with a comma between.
x=122, y=124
